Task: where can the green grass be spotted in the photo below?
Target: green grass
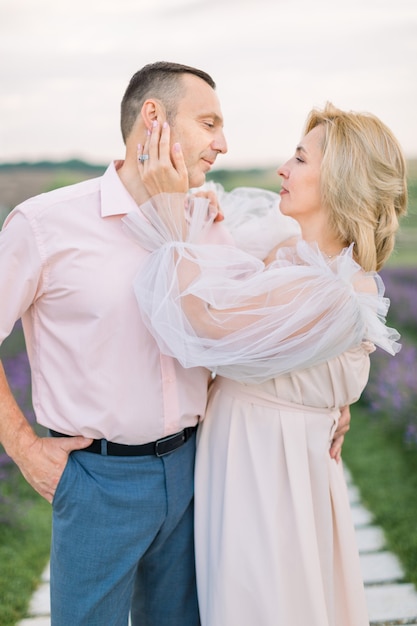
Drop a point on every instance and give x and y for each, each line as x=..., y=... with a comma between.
x=13, y=344
x=405, y=251
x=25, y=530
x=386, y=475
x=24, y=547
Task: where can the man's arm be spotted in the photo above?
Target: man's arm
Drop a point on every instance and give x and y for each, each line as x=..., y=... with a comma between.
x=40, y=459
x=339, y=435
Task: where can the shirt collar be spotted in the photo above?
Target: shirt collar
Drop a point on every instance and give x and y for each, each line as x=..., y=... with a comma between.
x=115, y=198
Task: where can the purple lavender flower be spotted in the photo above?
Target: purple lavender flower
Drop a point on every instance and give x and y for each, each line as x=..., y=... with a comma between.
x=391, y=394
x=18, y=374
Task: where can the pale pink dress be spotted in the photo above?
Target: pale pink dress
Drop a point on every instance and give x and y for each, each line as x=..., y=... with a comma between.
x=275, y=543
x=290, y=344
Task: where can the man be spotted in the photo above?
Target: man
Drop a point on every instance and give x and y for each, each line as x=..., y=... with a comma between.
x=119, y=465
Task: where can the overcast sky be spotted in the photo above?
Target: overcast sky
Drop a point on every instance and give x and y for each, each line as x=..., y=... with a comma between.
x=64, y=65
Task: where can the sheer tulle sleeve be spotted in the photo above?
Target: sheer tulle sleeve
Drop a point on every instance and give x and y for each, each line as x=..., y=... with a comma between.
x=253, y=218
x=221, y=308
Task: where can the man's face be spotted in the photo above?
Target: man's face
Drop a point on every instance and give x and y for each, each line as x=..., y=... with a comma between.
x=198, y=127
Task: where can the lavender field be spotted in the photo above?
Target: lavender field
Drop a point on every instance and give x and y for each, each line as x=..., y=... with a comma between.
x=391, y=394
x=16, y=365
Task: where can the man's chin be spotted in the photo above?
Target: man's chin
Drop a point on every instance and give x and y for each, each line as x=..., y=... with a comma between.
x=196, y=179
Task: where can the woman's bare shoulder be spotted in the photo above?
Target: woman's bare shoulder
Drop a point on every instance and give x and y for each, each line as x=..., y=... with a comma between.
x=365, y=282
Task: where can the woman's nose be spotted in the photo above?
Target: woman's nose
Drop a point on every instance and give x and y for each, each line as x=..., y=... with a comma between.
x=283, y=171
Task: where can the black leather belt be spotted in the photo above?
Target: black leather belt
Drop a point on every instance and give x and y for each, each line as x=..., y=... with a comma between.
x=158, y=448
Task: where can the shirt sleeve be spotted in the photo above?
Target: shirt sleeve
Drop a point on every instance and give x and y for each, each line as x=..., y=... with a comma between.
x=221, y=308
x=20, y=270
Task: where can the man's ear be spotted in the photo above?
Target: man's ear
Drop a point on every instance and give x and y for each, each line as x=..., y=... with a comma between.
x=152, y=110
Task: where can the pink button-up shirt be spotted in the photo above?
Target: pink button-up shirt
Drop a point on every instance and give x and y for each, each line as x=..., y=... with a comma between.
x=67, y=267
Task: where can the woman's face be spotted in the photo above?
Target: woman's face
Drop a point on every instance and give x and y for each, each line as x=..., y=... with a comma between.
x=300, y=190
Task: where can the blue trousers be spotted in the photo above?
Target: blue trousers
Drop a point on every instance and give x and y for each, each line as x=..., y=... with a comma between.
x=122, y=540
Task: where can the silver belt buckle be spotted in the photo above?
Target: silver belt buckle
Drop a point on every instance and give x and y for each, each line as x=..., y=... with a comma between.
x=162, y=446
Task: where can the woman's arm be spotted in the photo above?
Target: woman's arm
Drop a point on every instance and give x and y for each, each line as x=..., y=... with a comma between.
x=219, y=307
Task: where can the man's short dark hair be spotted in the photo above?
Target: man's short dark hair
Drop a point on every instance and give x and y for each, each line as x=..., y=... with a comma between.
x=160, y=80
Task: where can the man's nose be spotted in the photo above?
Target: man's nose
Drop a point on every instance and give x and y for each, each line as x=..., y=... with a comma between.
x=219, y=144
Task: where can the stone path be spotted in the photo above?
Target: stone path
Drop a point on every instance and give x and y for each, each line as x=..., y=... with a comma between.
x=391, y=601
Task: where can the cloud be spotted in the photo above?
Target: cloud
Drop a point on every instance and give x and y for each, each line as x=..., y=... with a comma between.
x=68, y=64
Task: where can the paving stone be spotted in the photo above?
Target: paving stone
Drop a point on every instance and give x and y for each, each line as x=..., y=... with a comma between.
x=370, y=538
x=40, y=602
x=35, y=621
x=348, y=475
x=380, y=567
x=392, y=603
x=354, y=495
x=46, y=575
x=360, y=515
x=388, y=602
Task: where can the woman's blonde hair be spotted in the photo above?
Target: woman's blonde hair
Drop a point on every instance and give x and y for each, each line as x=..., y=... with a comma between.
x=363, y=179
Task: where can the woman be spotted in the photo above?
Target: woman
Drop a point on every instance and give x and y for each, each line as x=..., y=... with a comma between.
x=275, y=543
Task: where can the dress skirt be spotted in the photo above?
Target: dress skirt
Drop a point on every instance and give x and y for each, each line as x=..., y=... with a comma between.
x=275, y=541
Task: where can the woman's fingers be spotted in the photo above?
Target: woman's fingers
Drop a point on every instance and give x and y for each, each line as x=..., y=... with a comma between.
x=143, y=155
x=140, y=162
x=214, y=207
x=164, y=143
x=160, y=168
x=153, y=141
x=177, y=158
